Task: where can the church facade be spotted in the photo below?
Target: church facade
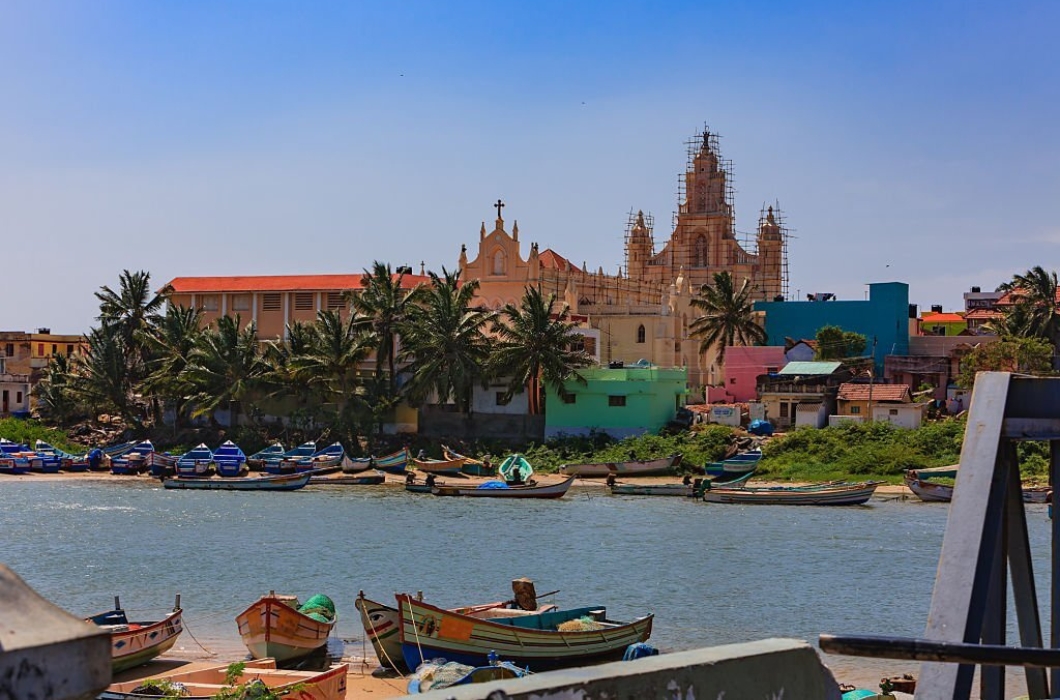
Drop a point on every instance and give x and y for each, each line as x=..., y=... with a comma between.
x=644, y=311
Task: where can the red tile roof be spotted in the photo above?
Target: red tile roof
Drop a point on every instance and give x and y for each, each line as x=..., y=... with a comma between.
x=934, y=317
x=880, y=392
x=983, y=315
x=1010, y=298
x=552, y=260
x=280, y=283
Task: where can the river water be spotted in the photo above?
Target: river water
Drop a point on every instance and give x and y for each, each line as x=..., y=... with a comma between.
x=711, y=573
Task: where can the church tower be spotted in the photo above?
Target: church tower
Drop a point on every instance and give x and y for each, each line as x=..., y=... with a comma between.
x=772, y=254
x=639, y=245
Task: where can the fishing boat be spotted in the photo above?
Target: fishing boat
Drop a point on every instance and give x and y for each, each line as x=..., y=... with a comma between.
x=471, y=466
x=207, y=683
x=14, y=457
x=439, y=466
x=632, y=467
x=273, y=482
x=197, y=461
x=836, y=494
x=556, y=639
x=132, y=461
x=229, y=460
x=500, y=489
x=136, y=643
x=374, y=479
x=689, y=487
x=921, y=482
x=515, y=469
x=393, y=463
x=356, y=465
x=439, y=673
x=732, y=467
x=286, y=462
x=277, y=626
x=68, y=462
x=272, y=453
x=52, y=458
x=327, y=458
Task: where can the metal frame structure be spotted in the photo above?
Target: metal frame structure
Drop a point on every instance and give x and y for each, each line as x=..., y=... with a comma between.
x=986, y=546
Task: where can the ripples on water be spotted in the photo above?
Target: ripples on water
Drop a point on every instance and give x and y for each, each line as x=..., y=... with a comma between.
x=712, y=574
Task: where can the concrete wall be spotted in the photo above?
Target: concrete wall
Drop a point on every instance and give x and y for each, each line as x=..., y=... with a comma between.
x=885, y=316
x=437, y=423
x=772, y=668
x=649, y=398
x=744, y=364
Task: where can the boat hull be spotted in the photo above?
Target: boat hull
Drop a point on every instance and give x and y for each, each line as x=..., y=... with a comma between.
x=428, y=632
x=835, y=495
x=551, y=491
x=928, y=491
x=451, y=467
x=651, y=467
x=271, y=628
x=136, y=643
x=281, y=482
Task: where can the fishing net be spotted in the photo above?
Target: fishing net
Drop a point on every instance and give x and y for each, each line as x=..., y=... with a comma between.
x=161, y=689
x=319, y=607
x=581, y=624
x=440, y=674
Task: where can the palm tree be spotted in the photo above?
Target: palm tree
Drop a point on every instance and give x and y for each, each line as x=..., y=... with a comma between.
x=727, y=316
x=168, y=345
x=101, y=379
x=225, y=366
x=329, y=362
x=54, y=395
x=446, y=343
x=536, y=347
x=381, y=305
x=1035, y=296
x=133, y=309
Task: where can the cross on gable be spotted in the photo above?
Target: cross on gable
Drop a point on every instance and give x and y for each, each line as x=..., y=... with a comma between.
x=498, y=207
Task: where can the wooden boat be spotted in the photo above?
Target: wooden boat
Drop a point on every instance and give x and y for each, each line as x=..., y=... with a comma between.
x=693, y=488
x=373, y=479
x=197, y=461
x=633, y=467
x=731, y=467
x=439, y=466
x=927, y=490
x=276, y=626
x=515, y=469
x=274, y=482
x=499, y=489
x=132, y=461
x=160, y=465
x=136, y=643
x=14, y=457
x=438, y=673
x=429, y=632
x=286, y=462
x=1037, y=494
x=229, y=460
x=67, y=461
x=330, y=456
x=393, y=463
x=206, y=683
x=471, y=466
x=272, y=453
x=356, y=465
x=842, y=494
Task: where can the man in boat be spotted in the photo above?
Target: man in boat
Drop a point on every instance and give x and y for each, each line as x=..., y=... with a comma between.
x=517, y=476
x=421, y=455
x=430, y=480
x=610, y=481
x=410, y=478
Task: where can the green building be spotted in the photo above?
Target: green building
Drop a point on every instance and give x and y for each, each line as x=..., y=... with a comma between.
x=620, y=401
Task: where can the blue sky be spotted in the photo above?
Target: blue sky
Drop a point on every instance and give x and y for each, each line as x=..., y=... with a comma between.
x=905, y=141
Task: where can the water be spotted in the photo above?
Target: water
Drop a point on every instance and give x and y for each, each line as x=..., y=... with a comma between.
x=712, y=574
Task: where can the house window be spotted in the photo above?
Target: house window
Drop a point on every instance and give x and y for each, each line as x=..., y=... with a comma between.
x=40, y=349
x=616, y=400
x=570, y=398
x=335, y=301
x=732, y=380
x=783, y=409
x=18, y=397
x=303, y=301
x=677, y=346
x=640, y=333
x=855, y=410
x=270, y=301
x=3, y=366
x=893, y=412
x=10, y=350
x=502, y=398
x=210, y=302
x=55, y=349
x=241, y=302
x=69, y=350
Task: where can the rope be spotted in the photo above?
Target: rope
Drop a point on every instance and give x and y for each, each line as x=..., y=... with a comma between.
x=188, y=630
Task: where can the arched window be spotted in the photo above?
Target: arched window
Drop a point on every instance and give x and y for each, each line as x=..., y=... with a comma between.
x=498, y=262
x=640, y=333
x=699, y=251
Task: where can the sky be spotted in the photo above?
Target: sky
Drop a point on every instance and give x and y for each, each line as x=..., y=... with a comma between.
x=904, y=141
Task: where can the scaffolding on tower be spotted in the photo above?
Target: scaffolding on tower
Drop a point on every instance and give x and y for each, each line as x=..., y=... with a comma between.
x=786, y=234
x=649, y=224
x=723, y=167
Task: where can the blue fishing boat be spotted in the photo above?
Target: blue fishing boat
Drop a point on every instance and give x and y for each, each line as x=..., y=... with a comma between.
x=327, y=458
x=67, y=461
x=393, y=463
x=732, y=468
x=197, y=461
x=273, y=453
x=278, y=482
x=133, y=460
x=14, y=457
x=285, y=464
x=230, y=460
x=162, y=464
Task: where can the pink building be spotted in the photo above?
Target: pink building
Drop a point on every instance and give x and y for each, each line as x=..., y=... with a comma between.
x=742, y=367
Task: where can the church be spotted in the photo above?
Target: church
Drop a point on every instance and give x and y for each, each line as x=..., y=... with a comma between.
x=644, y=311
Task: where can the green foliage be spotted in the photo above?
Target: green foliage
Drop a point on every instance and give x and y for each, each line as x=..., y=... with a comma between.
x=1009, y=354
x=877, y=450
x=29, y=431
x=726, y=316
x=833, y=343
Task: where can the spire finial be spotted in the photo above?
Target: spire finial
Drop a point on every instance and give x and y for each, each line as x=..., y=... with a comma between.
x=498, y=206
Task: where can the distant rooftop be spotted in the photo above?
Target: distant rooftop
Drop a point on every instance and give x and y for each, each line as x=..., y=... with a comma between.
x=809, y=368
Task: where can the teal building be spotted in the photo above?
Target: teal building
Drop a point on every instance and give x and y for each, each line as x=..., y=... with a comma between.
x=883, y=319
x=619, y=401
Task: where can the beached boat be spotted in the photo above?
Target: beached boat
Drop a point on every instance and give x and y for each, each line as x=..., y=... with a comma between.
x=471, y=466
x=689, y=487
x=393, y=463
x=439, y=673
x=356, y=465
x=838, y=494
x=500, y=489
x=327, y=458
x=277, y=626
x=272, y=453
x=921, y=482
x=206, y=683
x=515, y=469
x=136, y=643
x=273, y=482
x=68, y=462
x=632, y=467
x=732, y=467
x=132, y=461
x=14, y=457
x=373, y=479
x=439, y=466
x=197, y=461
x=285, y=463
x=540, y=642
x=229, y=460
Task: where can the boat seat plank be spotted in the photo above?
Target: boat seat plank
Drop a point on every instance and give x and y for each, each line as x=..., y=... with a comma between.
x=551, y=620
